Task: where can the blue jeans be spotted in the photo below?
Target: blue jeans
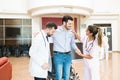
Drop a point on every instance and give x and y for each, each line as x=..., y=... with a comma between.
x=62, y=64
x=36, y=78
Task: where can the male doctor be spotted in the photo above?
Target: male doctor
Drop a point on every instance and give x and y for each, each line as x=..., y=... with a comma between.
x=40, y=52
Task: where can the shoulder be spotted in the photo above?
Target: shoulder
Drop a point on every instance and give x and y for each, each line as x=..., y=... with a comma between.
x=58, y=31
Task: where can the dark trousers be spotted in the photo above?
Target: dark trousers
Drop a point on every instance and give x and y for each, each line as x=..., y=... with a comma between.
x=36, y=78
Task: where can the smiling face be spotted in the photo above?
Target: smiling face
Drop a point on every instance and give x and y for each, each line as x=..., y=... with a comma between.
x=68, y=24
x=88, y=33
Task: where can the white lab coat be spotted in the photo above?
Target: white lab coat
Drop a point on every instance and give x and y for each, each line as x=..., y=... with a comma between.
x=91, y=66
x=106, y=47
x=39, y=54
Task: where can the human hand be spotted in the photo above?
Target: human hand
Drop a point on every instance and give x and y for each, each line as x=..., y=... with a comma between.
x=78, y=52
x=45, y=66
x=77, y=36
x=73, y=31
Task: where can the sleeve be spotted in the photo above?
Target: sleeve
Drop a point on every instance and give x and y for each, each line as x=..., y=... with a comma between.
x=37, y=50
x=73, y=43
x=83, y=38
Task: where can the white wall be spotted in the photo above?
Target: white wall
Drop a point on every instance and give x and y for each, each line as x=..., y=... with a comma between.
x=36, y=24
x=41, y=7
x=13, y=15
x=119, y=31
x=106, y=6
x=113, y=20
x=43, y=3
x=21, y=6
x=13, y=6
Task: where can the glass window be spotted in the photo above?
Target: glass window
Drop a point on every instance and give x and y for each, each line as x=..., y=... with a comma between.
x=13, y=42
x=12, y=32
x=27, y=41
x=1, y=42
x=1, y=32
x=27, y=22
x=15, y=31
x=26, y=33
x=13, y=21
x=1, y=21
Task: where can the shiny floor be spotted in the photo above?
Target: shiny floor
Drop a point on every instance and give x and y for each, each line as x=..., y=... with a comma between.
x=109, y=70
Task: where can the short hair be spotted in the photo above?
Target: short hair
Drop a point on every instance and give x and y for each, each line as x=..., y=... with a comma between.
x=66, y=18
x=51, y=25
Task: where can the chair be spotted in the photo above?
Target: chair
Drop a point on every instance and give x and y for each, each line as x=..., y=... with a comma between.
x=5, y=69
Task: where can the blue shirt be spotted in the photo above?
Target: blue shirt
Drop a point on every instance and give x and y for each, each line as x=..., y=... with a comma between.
x=63, y=40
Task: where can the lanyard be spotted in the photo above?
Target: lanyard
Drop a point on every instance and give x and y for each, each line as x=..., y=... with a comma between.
x=89, y=47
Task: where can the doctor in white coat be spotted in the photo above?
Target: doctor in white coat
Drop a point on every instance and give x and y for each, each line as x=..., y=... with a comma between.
x=91, y=47
x=106, y=46
x=40, y=52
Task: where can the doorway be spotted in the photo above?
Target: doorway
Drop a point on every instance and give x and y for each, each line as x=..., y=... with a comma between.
x=107, y=29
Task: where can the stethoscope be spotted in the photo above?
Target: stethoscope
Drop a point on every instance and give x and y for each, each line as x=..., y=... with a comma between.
x=89, y=47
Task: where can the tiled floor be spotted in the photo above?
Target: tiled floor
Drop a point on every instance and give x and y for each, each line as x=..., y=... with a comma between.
x=109, y=70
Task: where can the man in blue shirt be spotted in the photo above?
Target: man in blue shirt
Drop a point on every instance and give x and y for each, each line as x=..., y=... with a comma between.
x=63, y=40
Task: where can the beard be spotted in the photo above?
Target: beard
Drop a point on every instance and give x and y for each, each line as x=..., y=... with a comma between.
x=48, y=35
x=67, y=27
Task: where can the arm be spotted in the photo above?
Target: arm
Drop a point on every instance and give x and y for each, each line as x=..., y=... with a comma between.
x=74, y=46
x=77, y=36
x=85, y=56
x=94, y=52
x=73, y=43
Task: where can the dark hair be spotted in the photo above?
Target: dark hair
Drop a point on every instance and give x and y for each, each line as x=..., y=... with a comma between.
x=96, y=30
x=66, y=18
x=104, y=33
x=51, y=25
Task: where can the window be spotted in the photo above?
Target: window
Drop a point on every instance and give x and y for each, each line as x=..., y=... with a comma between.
x=15, y=31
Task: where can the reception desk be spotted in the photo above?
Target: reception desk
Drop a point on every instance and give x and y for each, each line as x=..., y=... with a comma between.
x=74, y=55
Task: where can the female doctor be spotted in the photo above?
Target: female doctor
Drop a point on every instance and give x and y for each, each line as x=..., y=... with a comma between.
x=91, y=46
x=40, y=53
